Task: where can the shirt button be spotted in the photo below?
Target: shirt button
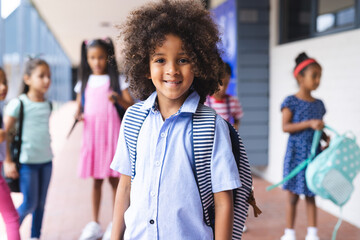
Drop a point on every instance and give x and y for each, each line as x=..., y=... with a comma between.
x=157, y=163
x=152, y=221
x=163, y=134
x=152, y=193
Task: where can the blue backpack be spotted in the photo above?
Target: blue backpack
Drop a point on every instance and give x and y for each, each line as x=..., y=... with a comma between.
x=203, y=138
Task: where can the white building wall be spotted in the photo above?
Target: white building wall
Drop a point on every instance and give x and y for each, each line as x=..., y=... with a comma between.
x=339, y=56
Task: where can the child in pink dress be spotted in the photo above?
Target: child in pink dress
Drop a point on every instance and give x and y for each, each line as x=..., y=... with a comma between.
x=102, y=96
x=7, y=209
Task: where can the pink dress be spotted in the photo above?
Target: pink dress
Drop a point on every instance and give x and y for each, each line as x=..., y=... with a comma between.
x=100, y=136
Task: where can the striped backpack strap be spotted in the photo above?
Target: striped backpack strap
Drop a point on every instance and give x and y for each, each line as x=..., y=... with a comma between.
x=243, y=194
x=135, y=117
x=203, y=140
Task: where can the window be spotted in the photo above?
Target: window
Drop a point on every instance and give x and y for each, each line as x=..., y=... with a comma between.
x=296, y=20
x=309, y=18
x=334, y=14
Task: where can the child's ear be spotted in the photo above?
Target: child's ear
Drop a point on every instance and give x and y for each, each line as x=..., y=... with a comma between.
x=26, y=79
x=299, y=78
x=148, y=76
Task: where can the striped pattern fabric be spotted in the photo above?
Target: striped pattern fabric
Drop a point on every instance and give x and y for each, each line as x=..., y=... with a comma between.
x=203, y=140
x=229, y=108
x=203, y=134
x=133, y=122
x=241, y=194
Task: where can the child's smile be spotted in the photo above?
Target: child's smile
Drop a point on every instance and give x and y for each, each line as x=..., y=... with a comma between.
x=171, y=70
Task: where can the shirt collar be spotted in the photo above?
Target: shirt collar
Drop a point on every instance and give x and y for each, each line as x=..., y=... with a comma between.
x=190, y=105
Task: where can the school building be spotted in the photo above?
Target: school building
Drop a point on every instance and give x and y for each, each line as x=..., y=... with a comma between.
x=269, y=34
x=261, y=39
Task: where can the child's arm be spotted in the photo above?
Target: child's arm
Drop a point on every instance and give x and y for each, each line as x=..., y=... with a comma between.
x=224, y=215
x=9, y=166
x=122, y=202
x=290, y=127
x=237, y=112
x=124, y=100
x=78, y=114
x=237, y=124
x=2, y=135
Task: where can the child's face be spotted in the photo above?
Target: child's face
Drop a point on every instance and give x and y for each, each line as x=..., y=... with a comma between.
x=97, y=60
x=3, y=86
x=223, y=88
x=311, y=79
x=39, y=80
x=171, y=70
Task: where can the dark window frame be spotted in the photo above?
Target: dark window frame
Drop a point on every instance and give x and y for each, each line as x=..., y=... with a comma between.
x=313, y=33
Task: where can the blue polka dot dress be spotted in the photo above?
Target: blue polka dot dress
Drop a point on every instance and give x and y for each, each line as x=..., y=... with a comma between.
x=299, y=144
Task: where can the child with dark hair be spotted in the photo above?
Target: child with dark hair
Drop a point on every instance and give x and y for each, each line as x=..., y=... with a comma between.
x=172, y=63
x=227, y=106
x=101, y=93
x=7, y=208
x=36, y=155
x=302, y=114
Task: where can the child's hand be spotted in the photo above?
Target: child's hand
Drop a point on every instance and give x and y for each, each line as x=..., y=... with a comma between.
x=79, y=115
x=326, y=139
x=114, y=97
x=10, y=170
x=316, y=124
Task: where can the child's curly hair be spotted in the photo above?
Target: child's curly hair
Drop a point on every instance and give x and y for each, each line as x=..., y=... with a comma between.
x=146, y=28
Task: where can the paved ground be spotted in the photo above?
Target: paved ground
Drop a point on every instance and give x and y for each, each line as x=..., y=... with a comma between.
x=68, y=204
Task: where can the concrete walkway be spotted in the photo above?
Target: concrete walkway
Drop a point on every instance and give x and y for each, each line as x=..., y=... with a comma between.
x=68, y=207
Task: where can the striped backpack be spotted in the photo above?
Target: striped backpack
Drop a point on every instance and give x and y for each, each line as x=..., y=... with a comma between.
x=203, y=138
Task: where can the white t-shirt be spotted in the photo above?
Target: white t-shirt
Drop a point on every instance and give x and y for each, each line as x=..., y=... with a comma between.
x=100, y=80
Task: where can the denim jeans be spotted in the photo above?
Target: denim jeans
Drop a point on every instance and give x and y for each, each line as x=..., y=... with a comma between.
x=34, y=183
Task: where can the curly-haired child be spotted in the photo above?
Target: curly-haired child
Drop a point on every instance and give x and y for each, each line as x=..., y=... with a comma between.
x=172, y=62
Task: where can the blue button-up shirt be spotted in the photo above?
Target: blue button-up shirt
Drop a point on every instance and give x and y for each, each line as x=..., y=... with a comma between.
x=164, y=200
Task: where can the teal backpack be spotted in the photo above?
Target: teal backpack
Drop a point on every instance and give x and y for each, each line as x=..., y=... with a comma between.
x=331, y=173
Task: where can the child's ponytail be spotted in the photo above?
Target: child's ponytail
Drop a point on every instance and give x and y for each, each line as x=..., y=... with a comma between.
x=112, y=66
x=84, y=70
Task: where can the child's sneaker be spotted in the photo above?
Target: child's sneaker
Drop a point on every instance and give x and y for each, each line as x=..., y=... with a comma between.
x=92, y=231
x=289, y=235
x=107, y=234
x=312, y=234
x=312, y=237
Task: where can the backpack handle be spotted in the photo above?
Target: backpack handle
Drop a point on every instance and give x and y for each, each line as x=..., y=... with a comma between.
x=331, y=129
x=303, y=164
x=315, y=143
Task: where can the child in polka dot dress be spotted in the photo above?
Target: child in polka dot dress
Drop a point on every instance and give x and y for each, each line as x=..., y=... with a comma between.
x=302, y=114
